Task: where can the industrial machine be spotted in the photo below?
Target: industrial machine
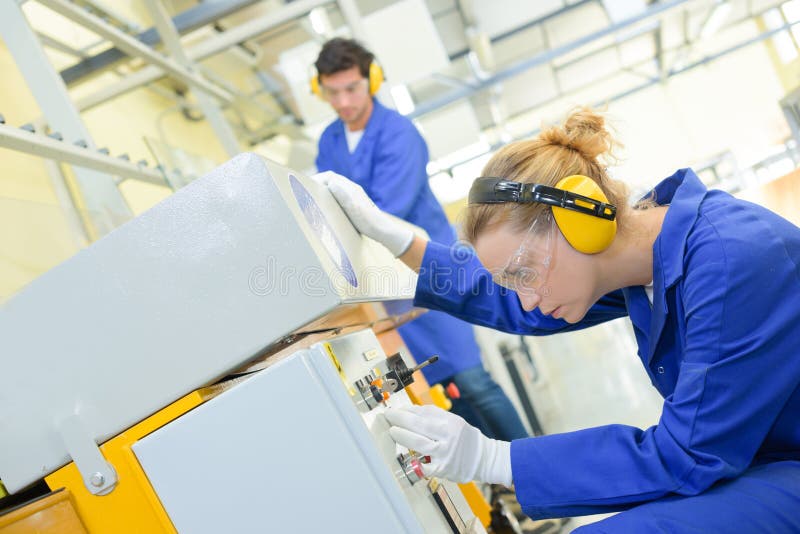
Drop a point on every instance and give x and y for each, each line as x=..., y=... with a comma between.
x=210, y=367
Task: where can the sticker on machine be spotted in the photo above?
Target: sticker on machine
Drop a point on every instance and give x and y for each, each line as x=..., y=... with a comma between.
x=319, y=224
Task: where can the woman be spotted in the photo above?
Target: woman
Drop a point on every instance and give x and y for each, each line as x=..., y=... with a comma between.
x=712, y=287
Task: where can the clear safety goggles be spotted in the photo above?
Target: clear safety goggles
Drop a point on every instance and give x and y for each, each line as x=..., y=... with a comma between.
x=356, y=88
x=526, y=270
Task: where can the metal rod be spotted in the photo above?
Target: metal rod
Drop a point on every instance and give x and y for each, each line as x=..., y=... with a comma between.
x=134, y=47
x=522, y=392
x=186, y=21
x=172, y=41
x=426, y=363
x=209, y=47
x=352, y=17
x=521, y=66
x=544, y=18
x=99, y=193
x=79, y=230
x=619, y=96
x=55, y=44
x=47, y=147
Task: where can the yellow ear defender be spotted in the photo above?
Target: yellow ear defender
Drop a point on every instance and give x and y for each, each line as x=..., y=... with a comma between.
x=376, y=78
x=315, y=90
x=580, y=208
x=586, y=232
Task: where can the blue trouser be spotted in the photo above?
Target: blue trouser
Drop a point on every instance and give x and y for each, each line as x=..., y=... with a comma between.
x=484, y=405
x=766, y=498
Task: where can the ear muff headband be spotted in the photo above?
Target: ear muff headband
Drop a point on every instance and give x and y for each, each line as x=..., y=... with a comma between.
x=376, y=79
x=580, y=208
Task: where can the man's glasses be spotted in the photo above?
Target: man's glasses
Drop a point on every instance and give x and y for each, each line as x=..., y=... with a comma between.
x=352, y=89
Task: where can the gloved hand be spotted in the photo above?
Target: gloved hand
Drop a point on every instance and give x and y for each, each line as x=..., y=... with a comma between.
x=458, y=451
x=365, y=215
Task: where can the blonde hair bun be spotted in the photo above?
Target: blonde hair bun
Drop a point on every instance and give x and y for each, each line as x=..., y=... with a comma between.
x=584, y=131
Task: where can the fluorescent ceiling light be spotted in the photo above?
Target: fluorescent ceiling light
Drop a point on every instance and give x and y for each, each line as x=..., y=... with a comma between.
x=320, y=22
x=623, y=9
x=784, y=45
x=792, y=11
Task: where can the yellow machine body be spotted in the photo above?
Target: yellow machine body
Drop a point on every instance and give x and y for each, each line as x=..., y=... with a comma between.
x=52, y=514
x=132, y=507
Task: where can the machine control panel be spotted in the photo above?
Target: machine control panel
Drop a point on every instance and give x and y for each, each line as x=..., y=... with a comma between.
x=390, y=376
x=259, y=442
x=380, y=381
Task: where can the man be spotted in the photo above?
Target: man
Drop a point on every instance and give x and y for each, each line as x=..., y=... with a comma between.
x=383, y=152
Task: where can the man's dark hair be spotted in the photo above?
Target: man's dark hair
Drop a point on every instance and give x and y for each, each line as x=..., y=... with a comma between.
x=340, y=54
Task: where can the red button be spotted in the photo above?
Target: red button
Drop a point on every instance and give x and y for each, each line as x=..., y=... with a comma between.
x=452, y=391
x=417, y=467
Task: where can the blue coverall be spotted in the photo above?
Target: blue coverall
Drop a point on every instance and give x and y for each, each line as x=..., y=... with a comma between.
x=390, y=163
x=721, y=345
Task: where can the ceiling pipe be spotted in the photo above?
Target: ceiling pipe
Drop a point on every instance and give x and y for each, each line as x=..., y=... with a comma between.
x=209, y=47
x=544, y=57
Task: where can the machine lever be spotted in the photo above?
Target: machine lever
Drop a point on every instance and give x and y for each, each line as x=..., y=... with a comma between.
x=405, y=374
x=432, y=359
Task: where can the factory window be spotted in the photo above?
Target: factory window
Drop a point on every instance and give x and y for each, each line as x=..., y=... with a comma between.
x=791, y=11
x=784, y=43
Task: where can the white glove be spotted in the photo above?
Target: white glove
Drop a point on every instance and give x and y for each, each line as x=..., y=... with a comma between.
x=365, y=215
x=458, y=451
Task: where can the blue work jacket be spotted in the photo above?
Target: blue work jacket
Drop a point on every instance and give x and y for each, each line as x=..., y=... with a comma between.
x=719, y=343
x=390, y=163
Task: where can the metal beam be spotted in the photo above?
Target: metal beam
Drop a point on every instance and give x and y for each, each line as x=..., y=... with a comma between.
x=78, y=230
x=172, y=41
x=630, y=36
x=55, y=44
x=254, y=28
x=110, y=14
x=209, y=47
x=187, y=21
x=352, y=17
x=553, y=14
x=102, y=198
x=547, y=56
x=48, y=147
x=619, y=96
x=134, y=47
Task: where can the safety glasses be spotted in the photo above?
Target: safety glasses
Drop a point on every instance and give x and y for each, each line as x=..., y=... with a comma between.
x=355, y=88
x=526, y=270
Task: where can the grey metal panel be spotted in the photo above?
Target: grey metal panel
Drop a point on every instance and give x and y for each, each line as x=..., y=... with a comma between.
x=287, y=439
x=161, y=306
x=268, y=452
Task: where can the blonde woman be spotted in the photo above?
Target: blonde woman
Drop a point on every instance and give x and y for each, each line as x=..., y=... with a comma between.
x=712, y=286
